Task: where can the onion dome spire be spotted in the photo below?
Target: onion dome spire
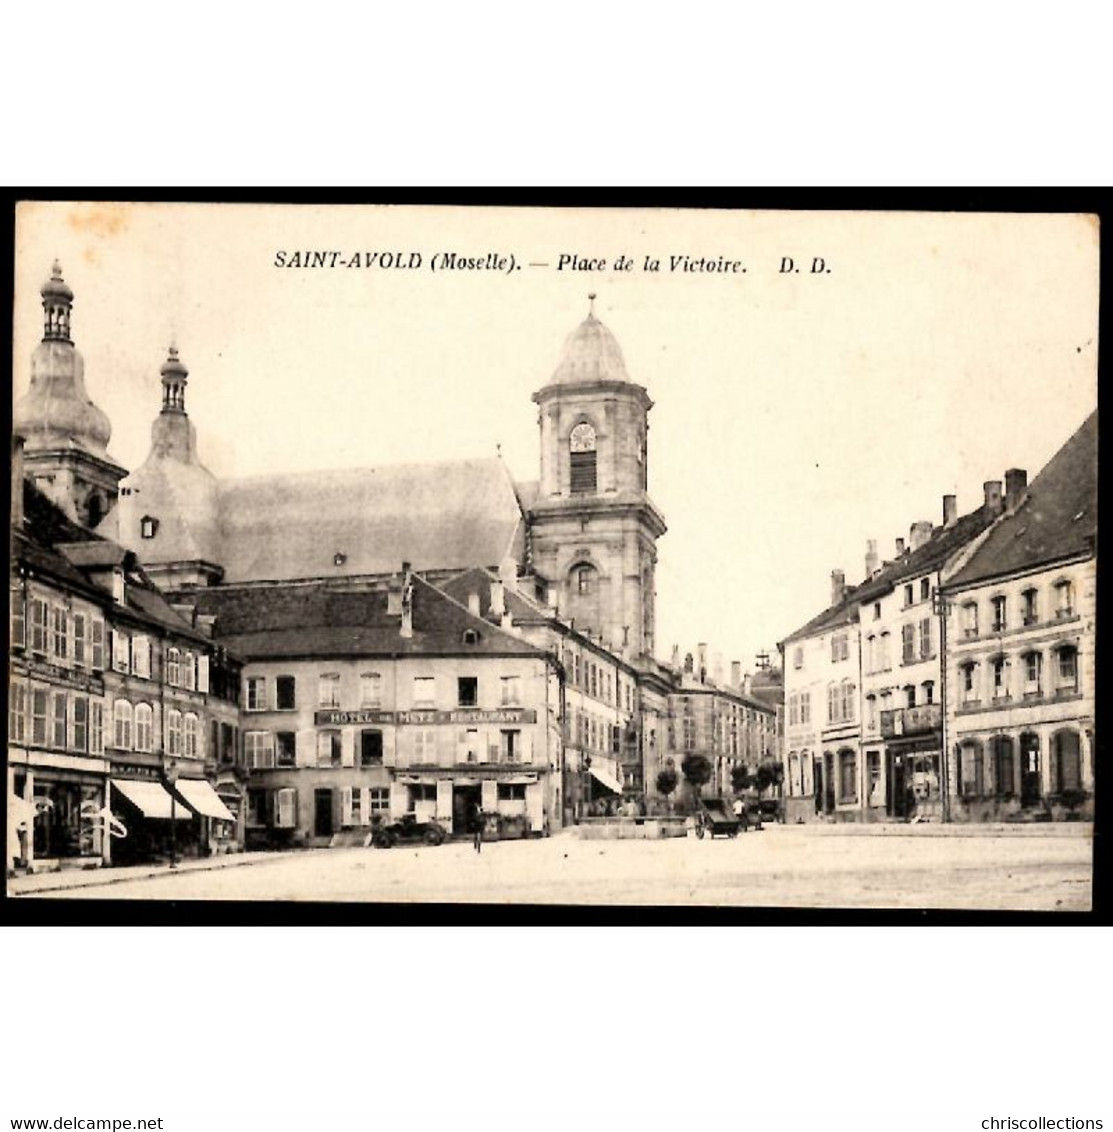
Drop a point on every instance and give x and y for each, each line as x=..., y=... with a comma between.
x=57, y=303
x=174, y=376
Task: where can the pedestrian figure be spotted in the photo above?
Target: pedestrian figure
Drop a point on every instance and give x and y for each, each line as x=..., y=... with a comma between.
x=477, y=829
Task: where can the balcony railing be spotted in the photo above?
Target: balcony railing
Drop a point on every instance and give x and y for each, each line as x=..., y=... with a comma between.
x=911, y=720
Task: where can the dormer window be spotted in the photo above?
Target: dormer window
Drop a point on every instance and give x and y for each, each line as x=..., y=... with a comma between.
x=1064, y=598
x=119, y=591
x=148, y=527
x=471, y=637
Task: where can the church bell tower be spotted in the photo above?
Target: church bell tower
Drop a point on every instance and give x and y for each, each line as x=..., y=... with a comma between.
x=594, y=529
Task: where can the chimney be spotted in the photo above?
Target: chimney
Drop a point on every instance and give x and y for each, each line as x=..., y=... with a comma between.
x=735, y=673
x=1016, y=481
x=702, y=648
x=188, y=613
x=950, y=510
x=747, y=684
x=838, y=586
x=407, y=601
x=17, y=481
x=473, y=603
x=919, y=533
x=872, y=558
x=676, y=656
x=994, y=502
x=498, y=604
x=900, y=547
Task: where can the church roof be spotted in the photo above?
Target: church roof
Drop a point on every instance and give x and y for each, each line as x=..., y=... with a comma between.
x=368, y=520
x=1056, y=520
x=591, y=353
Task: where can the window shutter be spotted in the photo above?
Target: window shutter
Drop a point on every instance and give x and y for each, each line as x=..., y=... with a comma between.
x=346, y=806
x=365, y=806
x=444, y=802
x=399, y=799
x=490, y=795
x=446, y=746
x=305, y=749
x=202, y=673
x=348, y=748
x=462, y=745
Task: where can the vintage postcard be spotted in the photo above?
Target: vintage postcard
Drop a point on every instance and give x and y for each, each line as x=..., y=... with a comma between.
x=561, y=556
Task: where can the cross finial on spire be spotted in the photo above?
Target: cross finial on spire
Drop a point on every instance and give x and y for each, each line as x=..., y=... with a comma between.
x=591, y=308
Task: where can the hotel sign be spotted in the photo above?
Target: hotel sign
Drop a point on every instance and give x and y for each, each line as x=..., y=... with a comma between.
x=911, y=721
x=333, y=717
x=55, y=674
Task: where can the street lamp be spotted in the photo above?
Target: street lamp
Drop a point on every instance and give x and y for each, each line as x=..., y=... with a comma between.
x=170, y=773
x=941, y=605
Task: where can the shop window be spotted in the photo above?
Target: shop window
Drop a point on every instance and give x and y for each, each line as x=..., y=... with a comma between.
x=1004, y=766
x=971, y=770
x=378, y=800
x=370, y=748
x=512, y=792
x=1067, y=756
x=848, y=776
x=328, y=748
x=144, y=727
x=328, y=690
x=467, y=691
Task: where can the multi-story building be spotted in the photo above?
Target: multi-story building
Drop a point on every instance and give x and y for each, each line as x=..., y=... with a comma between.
x=366, y=700
x=1021, y=648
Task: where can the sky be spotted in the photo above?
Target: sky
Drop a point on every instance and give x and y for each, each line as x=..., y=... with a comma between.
x=797, y=413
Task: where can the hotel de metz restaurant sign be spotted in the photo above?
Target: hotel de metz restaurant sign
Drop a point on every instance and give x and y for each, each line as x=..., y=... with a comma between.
x=335, y=718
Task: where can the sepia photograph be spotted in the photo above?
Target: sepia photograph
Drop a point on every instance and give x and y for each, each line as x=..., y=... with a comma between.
x=629, y=557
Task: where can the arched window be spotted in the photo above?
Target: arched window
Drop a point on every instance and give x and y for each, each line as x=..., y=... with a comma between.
x=583, y=579
x=122, y=717
x=173, y=667
x=581, y=446
x=144, y=727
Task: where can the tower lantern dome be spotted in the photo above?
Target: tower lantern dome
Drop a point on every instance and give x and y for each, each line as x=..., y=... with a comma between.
x=57, y=304
x=174, y=377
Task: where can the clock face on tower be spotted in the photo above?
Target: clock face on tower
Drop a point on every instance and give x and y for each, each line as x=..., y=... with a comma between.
x=582, y=438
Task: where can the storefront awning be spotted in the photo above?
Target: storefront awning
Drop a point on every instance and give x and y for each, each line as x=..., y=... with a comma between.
x=152, y=799
x=607, y=779
x=200, y=796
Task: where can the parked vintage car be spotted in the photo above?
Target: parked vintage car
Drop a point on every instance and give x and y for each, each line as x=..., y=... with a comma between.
x=408, y=829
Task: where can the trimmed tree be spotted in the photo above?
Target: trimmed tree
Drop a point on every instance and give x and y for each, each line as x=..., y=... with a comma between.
x=740, y=778
x=697, y=772
x=667, y=782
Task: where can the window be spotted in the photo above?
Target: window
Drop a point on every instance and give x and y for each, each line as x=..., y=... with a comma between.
x=258, y=750
x=925, y=589
x=148, y=527
x=970, y=619
x=190, y=744
x=38, y=625
x=227, y=744
x=581, y=445
x=379, y=799
x=908, y=643
x=256, y=693
x=285, y=749
x=285, y=693
x=969, y=683
x=425, y=691
x=19, y=618
x=928, y=687
x=121, y=660
x=512, y=689
x=189, y=671
x=871, y=713
x=1068, y=669
x=910, y=695
x=1000, y=614
x=17, y=712
x=370, y=690
x=328, y=748
x=173, y=667
x=877, y=611
x=798, y=657
x=96, y=728
x=38, y=716
x=1004, y=770
x=1033, y=665
x=328, y=689
x=1064, y=599
x=871, y=653
x=144, y=727
x=425, y=747
x=848, y=776
x=840, y=647
x=1030, y=606
x=141, y=656
x=58, y=719
x=97, y=644
x=576, y=669
x=689, y=733
x=925, y=639
x=510, y=746
x=805, y=707
x=203, y=673
x=79, y=723
x=908, y=592
x=584, y=577
x=1000, y=678
x=121, y=719
x=471, y=637
x=972, y=770
x=286, y=808
x=512, y=792
x=886, y=656
x=173, y=732
x=59, y=633
x=467, y=691
x=370, y=748
x=1066, y=757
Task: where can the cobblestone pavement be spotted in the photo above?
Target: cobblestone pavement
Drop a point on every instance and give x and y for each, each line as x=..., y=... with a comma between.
x=786, y=866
